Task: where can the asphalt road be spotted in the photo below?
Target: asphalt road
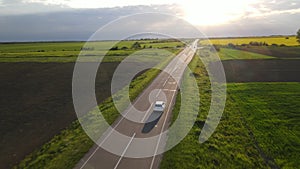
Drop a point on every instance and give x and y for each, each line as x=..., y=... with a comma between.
x=163, y=87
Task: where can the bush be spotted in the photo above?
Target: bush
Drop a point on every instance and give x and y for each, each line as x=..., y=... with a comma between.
x=231, y=45
x=85, y=48
x=114, y=48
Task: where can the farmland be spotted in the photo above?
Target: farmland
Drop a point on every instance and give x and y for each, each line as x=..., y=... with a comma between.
x=66, y=148
x=36, y=103
x=259, y=127
x=231, y=54
x=259, y=70
x=69, y=51
x=279, y=52
x=285, y=40
x=36, y=91
x=271, y=111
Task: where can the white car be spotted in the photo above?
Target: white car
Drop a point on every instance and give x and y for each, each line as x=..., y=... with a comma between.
x=159, y=106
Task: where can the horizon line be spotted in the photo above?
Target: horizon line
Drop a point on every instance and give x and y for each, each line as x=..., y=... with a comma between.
x=211, y=37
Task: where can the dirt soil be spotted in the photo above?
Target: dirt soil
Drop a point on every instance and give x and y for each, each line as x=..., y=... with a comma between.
x=36, y=104
x=279, y=52
x=277, y=70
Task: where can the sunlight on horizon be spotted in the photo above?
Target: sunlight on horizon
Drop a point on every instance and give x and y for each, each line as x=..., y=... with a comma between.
x=214, y=12
x=199, y=13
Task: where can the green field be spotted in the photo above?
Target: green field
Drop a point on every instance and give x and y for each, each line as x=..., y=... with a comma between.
x=259, y=128
x=271, y=112
x=69, y=51
x=229, y=54
x=290, y=41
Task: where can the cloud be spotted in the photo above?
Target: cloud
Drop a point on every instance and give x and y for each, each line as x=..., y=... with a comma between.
x=100, y=3
x=280, y=4
x=20, y=7
x=283, y=24
x=276, y=7
x=76, y=24
x=34, y=21
x=148, y=23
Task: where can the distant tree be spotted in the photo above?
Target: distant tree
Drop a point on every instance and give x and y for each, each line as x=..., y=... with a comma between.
x=254, y=44
x=298, y=36
x=84, y=48
x=265, y=44
x=136, y=45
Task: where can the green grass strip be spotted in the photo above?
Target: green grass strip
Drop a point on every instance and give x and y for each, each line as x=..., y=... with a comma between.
x=230, y=54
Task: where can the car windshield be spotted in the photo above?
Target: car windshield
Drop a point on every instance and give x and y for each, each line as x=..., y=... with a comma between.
x=158, y=105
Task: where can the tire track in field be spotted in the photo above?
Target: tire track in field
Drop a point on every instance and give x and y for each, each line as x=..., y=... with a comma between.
x=267, y=159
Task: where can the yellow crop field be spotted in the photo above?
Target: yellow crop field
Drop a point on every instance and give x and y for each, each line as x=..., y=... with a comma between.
x=290, y=41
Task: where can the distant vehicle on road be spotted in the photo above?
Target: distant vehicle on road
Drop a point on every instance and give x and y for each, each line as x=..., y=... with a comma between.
x=159, y=106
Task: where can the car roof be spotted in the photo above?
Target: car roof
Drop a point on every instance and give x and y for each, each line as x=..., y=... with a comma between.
x=159, y=102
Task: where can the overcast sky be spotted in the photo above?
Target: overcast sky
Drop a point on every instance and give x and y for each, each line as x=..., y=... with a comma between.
x=50, y=20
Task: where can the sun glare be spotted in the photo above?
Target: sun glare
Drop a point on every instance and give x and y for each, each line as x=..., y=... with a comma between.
x=215, y=12
x=197, y=12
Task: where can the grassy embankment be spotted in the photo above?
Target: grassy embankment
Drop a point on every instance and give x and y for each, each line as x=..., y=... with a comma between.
x=68, y=147
x=259, y=128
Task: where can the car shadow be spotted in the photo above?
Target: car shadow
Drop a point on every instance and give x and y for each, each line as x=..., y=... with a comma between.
x=151, y=121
